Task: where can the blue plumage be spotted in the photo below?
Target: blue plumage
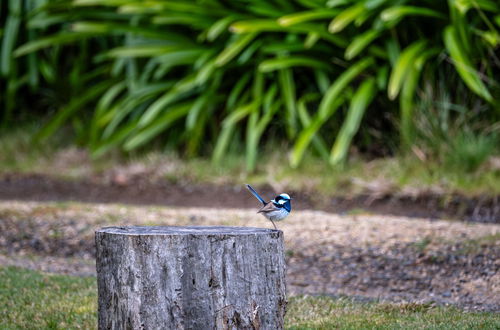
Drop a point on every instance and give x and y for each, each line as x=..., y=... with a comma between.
x=256, y=195
x=276, y=209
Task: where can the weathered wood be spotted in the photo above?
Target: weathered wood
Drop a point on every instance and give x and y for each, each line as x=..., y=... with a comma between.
x=190, y=278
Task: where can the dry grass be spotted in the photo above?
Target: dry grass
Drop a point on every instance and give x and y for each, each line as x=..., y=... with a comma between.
x=302, y=228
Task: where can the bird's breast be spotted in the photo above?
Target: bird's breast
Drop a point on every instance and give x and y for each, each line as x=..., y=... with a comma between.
x=277, y=215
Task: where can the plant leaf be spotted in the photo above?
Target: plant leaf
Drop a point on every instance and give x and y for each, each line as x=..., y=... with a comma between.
x=158, y=126
x=306, y=16
x=403, y=64
x=287, y=62
x=463, y=64
x=346, y=17
x=234, y=49
x=397, y=12
x=360, y=101
x=359, y=43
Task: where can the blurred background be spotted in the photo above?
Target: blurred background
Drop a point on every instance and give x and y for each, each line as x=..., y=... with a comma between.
x=380, y=118
x=305, y=79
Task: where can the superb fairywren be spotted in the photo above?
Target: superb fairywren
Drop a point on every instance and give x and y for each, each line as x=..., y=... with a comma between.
x=276, y=209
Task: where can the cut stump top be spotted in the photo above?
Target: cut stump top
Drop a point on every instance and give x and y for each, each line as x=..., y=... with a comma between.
x=184, y=230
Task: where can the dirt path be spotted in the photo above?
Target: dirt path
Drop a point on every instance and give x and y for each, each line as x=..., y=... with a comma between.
x=376, y=257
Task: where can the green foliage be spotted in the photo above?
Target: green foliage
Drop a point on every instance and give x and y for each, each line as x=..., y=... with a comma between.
x=449, y=133
x=468, y=151
x=213, y=75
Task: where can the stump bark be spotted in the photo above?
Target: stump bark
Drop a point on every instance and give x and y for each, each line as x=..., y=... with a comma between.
x=190, y=278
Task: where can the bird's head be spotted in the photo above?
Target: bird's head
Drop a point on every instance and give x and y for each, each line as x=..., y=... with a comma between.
x=283, y=200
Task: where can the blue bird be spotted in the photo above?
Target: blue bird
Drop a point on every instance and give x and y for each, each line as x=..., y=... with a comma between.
x=276, y=209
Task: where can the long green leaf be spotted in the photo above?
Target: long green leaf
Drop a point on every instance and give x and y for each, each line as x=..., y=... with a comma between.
x=251, y=141
x=174, y=95
x=147, y=51
x=463, y=64
x=100, y=2
x=397, y=12
x=234, y=49
x=408, y=92
x=360, y=42
x=120, y=29
x=114, y=140
x=256, y=129
x=292, y=61
x=158, y=126
x=260, y=25
x=311, y=39
x=237, y=90
x=325, y=108
x=305, y=120
x=228, y=127
x=256, y=25
x=102, y=106
x=288, y=91
x=134, y=101
x=194, y=113
x=329, y=104
x=307, y=16
x=307, y=135
x=403, y=64
x=222, y=143
x=58, y=39
x=239, y=113
x=8, y=43
x=252, y=132
x=346, y=17
x=360, y=101
x=219, y=27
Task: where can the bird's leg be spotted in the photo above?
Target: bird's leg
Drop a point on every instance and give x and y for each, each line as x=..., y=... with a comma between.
x=274, y=225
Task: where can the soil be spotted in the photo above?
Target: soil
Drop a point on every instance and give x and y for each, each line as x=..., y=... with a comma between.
x=141, y=191
x=342, y=248
x=374, y=257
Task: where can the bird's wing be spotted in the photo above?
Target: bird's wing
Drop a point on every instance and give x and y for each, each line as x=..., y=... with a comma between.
x=269, y=207
x=255, y=194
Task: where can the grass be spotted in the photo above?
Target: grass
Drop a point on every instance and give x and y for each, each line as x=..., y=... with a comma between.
x=31, y=299
x=35, y=300
x=404, y=174
x=343, y=313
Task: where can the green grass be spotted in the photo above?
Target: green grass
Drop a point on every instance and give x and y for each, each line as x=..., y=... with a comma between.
x=343, y=313
x=31, y=299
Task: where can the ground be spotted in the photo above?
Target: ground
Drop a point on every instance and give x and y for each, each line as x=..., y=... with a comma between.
x=360, y=255
x=417, y=246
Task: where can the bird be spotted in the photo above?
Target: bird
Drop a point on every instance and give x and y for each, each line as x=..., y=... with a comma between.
x=276, y=209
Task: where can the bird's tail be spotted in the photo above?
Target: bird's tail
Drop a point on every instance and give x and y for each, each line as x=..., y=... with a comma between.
x=255, y=194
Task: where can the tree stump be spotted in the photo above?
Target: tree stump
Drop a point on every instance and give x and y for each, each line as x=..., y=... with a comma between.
x=190, y=278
